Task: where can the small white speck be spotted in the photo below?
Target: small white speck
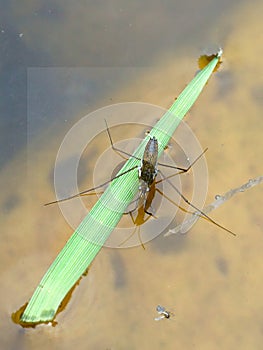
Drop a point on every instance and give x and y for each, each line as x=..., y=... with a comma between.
x=219, y=52
x=20, y=35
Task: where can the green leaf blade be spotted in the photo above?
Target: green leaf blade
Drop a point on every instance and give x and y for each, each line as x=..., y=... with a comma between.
x=91, y=234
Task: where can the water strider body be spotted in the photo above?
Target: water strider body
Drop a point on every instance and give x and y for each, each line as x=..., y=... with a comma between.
x=147, y=172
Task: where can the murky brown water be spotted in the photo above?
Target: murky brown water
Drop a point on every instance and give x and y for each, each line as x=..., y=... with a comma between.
x=213, y=282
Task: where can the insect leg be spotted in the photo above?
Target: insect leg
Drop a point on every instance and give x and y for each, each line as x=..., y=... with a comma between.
x=92, y=189
x=117, y=150
x=182, y=170
x=201, y=213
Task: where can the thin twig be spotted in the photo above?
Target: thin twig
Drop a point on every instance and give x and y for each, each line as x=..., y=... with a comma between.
x=182, y=228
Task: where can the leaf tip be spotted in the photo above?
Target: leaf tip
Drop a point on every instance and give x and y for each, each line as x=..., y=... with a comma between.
x=219, y=52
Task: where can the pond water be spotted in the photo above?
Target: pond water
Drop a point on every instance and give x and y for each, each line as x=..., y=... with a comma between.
x=211, y=281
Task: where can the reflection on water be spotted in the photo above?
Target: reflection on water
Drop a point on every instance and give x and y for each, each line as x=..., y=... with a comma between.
x=214, y=282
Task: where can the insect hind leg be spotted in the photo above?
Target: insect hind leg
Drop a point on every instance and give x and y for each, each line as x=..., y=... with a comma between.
x=198, y=211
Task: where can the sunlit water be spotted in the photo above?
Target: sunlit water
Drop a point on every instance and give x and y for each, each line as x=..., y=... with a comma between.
x=211, y=281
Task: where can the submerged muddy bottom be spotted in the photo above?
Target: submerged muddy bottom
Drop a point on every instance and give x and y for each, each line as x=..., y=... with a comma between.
x=210, y=281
